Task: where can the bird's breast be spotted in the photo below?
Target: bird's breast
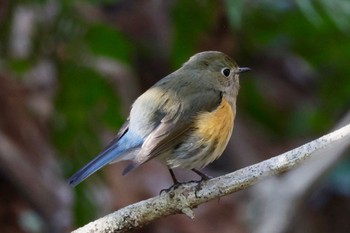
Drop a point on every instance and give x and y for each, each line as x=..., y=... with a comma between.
x=216, y=127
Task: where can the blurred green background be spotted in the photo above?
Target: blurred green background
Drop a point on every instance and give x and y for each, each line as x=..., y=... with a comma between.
x=70, y=70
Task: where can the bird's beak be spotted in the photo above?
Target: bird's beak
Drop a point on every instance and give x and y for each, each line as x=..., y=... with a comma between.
x=243, y=69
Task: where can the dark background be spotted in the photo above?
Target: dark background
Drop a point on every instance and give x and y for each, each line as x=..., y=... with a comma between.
x=69, y=71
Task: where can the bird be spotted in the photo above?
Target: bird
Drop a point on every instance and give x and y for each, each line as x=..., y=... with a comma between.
x=185, y=120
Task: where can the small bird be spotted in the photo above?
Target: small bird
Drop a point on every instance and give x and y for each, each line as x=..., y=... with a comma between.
x=185, y=120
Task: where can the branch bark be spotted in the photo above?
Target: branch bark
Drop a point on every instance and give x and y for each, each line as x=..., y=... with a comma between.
x=189, y=195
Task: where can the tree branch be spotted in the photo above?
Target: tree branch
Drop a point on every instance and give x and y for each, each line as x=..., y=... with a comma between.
x=189, y=195
x=277, y=202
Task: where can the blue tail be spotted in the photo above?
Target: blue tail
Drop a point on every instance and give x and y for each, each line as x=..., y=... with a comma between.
x=114, y=151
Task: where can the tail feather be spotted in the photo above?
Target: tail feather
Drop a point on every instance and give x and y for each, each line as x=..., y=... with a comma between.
x=131, y=166
x=113, y=153
x=101, y=160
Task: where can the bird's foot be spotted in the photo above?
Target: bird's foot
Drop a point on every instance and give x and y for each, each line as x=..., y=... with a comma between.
x=171, y=188
x=204, y=177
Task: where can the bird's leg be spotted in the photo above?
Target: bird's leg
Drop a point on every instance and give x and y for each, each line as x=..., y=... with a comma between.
x=202, y=175
x=173, y=177
x=176, y=182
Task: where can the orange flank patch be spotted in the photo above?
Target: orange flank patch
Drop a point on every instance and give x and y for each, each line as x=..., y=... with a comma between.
x=216, y=126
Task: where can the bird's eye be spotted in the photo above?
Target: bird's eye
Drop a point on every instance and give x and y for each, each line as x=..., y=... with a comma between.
x=226, y=71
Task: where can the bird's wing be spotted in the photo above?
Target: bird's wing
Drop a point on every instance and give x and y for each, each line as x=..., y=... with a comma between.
x=173, y=127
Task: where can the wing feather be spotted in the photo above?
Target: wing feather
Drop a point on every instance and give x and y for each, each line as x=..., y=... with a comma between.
x=173, y=127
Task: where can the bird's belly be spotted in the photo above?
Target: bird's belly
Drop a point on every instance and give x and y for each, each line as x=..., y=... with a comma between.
x=206, y=142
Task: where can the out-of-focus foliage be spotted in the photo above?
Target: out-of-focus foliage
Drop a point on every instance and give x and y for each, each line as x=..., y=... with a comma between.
x=84, y=104
x=323, y=47
x=299, y=52
x=186, y=37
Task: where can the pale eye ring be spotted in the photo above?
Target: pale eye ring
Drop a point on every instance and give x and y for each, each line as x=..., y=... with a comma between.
x=226, y=71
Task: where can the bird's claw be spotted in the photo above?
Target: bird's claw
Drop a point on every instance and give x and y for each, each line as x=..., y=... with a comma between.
x=173, y=187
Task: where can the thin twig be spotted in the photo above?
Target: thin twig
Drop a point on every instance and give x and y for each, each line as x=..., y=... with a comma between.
x=189, y=195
